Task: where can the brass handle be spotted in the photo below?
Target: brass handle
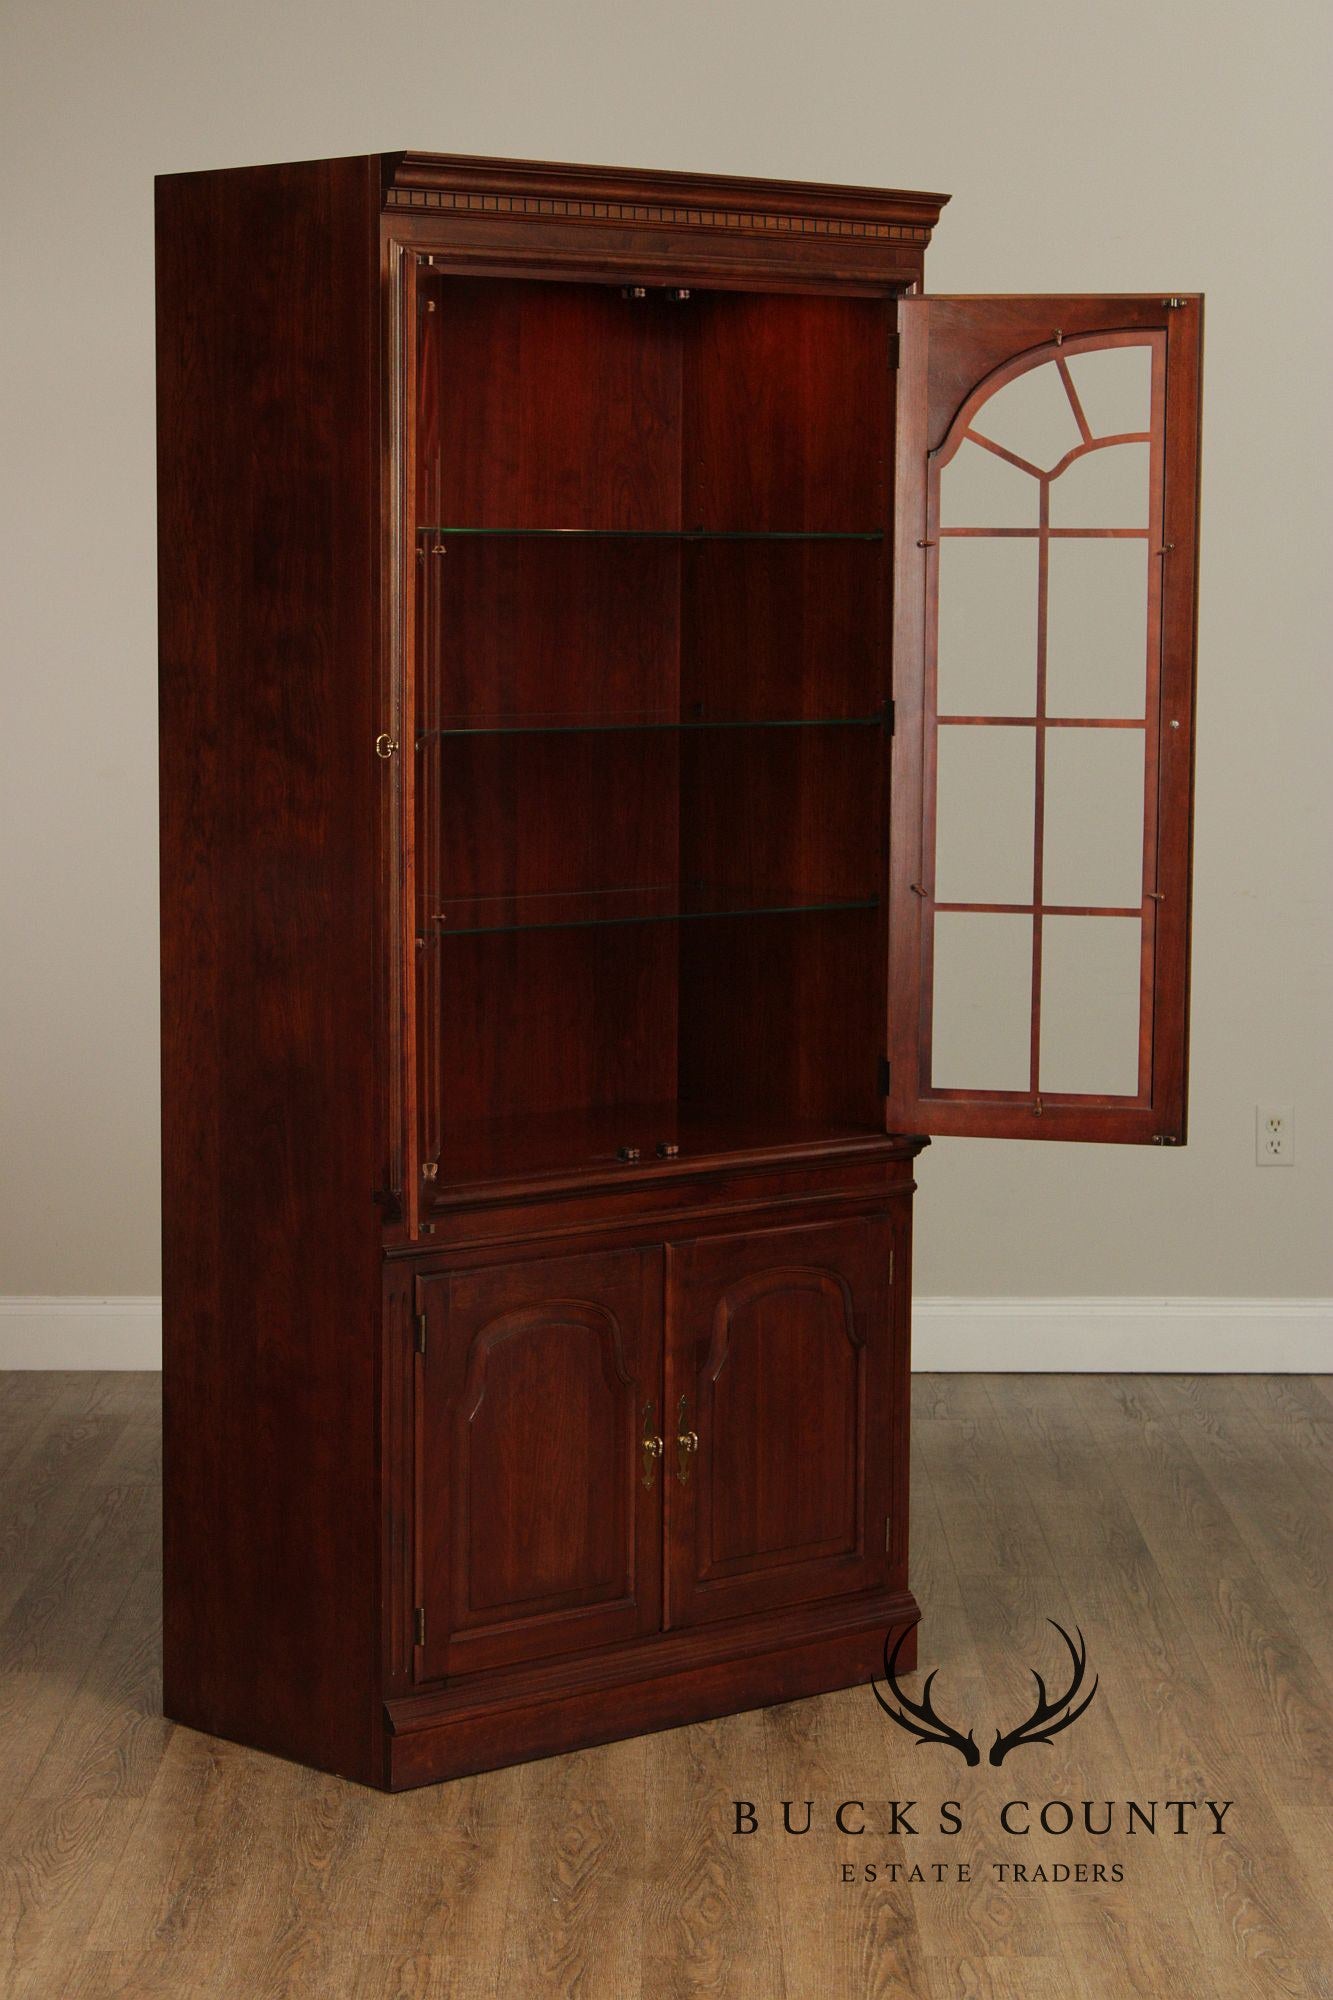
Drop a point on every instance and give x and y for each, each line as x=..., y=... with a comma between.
x=687, y=1443
x=652, y=1447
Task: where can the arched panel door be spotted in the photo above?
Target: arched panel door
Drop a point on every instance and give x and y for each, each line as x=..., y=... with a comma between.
x=1047, y=488
x=786, y=1448
x=538, y=1508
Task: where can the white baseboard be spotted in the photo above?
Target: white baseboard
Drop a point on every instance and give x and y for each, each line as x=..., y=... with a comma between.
x=81, y=1333
x=949, y=1336
x=1114, y=1336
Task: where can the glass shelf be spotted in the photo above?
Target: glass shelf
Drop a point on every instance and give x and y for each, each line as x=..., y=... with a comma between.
x=541, y=1144
x=472, y=916
x=579, y=725
x=660, y=534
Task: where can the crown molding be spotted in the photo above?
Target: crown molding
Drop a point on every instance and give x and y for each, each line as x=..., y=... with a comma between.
x=461, y=186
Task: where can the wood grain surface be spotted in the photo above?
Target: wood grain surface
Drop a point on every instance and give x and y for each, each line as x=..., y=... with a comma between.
x=1183, y=1523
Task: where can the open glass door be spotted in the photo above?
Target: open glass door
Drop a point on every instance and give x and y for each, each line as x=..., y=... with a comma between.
x=1047, y=500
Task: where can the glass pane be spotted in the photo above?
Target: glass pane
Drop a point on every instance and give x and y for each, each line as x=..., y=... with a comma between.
x=1096, y=627
x=1031, y=416
x=1093, y=844
x=979, y=489
x=984, y=815
x=1044, y=622
x=982, y=1025
x=987, y=649
x=1090, y=970
x=1105, y=488
x=1114, y=386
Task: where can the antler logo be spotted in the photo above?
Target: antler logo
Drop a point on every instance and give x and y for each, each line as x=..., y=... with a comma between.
x=1047, y=1719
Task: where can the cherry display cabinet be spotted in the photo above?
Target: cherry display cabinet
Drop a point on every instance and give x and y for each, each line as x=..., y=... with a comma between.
x=659, y=715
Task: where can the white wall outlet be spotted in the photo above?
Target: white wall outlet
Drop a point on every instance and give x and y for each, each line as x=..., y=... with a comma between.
x=1274, y=1136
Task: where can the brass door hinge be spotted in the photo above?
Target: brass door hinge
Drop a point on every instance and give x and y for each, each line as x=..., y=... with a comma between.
x=419, y=1626
x=421, y=1333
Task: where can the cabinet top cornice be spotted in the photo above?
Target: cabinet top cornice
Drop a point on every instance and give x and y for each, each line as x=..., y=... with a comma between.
x=461, y=184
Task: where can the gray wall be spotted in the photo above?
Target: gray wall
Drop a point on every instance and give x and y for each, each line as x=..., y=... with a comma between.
x=1131, y=148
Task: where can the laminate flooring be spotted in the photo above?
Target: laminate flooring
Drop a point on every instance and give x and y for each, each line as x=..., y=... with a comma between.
x=1182, y=1523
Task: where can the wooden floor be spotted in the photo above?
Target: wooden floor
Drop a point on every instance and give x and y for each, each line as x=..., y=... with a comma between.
x=1182, y=1522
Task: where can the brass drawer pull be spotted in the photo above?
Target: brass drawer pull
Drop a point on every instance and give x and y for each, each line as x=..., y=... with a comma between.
x=652, y=1447
x=687, y=1443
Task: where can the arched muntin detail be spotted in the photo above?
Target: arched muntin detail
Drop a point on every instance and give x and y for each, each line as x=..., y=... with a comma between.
x=1024, y=364
x=968, y=425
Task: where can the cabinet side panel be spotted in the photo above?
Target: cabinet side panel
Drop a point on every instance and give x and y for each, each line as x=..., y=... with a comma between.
x=268, y=517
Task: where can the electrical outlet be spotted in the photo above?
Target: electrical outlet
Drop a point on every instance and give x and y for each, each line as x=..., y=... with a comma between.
x=1274, y=1136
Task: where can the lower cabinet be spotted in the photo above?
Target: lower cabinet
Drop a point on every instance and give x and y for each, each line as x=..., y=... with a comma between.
x=614, y=1444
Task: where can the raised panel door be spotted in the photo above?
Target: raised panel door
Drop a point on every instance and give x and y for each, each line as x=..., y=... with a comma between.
x=538, y=1506
x=782, y=1398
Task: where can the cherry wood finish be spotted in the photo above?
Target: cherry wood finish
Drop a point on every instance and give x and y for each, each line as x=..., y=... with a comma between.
x=777, y=1217
x=954, y=353
x=463, y=1191
x=505, y=216
x=539, y=1517
x=586, y=776
x=677, y=1677
x=268, y=444
x=782, y=1377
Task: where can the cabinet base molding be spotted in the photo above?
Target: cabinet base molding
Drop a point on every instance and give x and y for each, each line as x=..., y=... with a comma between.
x=660, y=1684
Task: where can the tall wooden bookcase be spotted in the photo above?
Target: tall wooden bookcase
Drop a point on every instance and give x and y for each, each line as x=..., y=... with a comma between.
x=658, y=716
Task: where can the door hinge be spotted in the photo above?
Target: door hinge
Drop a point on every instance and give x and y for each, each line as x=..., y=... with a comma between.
x=421, y=1333
x=419, y=1626
x=883, y=1076
x=888, y=1532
